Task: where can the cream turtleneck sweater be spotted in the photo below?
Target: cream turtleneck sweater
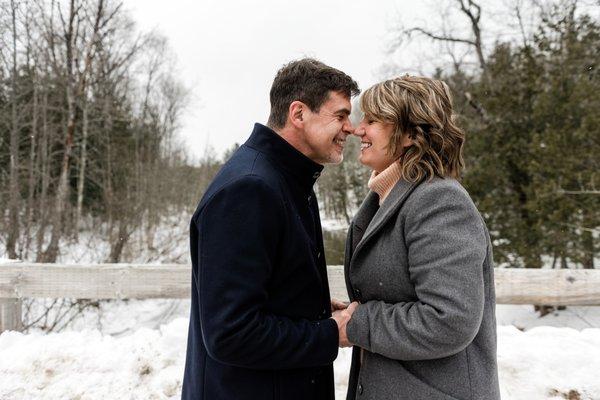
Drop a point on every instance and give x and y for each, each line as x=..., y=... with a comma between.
x=383, y=182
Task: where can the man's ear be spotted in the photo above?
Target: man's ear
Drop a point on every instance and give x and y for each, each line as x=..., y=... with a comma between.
x=296, y=113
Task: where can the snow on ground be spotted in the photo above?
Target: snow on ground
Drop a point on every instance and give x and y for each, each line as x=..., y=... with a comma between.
x=548, y=362
x=88, y=365
x=332, y=224
x=136, y=349
x=167, y=243
x=139, y=353
x=8, y=261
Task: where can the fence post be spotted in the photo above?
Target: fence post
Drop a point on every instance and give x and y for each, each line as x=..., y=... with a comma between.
x=10, y=315
x=10, y=307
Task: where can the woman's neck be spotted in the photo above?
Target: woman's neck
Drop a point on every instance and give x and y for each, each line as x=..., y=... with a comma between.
x=383, y=182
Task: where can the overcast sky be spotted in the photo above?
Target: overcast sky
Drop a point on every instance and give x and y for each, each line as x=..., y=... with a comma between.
x=229, y=51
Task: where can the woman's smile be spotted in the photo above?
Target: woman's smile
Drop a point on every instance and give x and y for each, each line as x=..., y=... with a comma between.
x=374, y=139
x=365, y=145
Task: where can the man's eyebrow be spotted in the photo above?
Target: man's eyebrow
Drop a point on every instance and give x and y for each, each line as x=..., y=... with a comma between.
x=343, y=111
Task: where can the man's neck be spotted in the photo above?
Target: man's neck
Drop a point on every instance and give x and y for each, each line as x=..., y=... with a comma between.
x=294, y=137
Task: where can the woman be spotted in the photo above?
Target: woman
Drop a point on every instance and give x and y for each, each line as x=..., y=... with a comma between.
x=418, y=256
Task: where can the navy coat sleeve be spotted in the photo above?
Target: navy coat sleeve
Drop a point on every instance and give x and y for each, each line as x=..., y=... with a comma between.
x=239, y=231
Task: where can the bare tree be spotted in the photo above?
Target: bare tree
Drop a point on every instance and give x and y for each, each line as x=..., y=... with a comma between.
x=14, y=187
x=88, y=111
x=32, y=173
x=76, y=83
x=472, y=11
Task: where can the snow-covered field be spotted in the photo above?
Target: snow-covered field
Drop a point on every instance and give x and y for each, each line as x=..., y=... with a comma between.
x=138, y=352
x=136, y=349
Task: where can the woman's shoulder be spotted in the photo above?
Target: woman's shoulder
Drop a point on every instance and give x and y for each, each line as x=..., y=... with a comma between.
x=438, y=185
x=439, y=190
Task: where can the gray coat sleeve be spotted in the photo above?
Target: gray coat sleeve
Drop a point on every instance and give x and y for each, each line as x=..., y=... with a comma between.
x=446, y=243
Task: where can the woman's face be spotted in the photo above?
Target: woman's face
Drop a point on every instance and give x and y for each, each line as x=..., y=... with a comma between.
x=374, y=139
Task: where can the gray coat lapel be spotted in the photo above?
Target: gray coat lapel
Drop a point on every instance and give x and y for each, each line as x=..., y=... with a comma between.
x=357, y=228
x=389, y=207
x=363, y=217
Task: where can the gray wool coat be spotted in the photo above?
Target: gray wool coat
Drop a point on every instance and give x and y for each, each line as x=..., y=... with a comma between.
x=421, y=267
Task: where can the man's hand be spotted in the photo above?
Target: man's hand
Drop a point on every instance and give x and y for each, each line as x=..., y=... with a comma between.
x=341, y=318
x=338, y=305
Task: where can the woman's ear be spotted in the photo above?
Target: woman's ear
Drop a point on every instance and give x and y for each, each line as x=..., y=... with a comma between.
x=406, y=141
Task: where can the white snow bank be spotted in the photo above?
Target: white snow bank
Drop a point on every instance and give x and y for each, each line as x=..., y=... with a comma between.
x=542, y=363
x=548, y=363
x=8, y=261
x=87, y=365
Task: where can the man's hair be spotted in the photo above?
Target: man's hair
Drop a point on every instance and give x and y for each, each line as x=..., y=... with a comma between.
x=422, y=109
x=309, y=81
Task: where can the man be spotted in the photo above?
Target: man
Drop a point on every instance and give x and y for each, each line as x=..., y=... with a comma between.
x=260, y=324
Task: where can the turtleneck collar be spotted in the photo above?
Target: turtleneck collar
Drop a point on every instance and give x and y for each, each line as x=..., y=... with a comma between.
x=383, y=182
x=268, y=142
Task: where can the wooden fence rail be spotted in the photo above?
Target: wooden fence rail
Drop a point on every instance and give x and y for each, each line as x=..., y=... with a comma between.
x=20, y=280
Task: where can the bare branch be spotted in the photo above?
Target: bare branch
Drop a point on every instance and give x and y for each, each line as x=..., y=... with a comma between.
x=440, y=37
x=521, y=26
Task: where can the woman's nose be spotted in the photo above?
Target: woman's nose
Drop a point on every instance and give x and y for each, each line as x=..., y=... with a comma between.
x=359, y=131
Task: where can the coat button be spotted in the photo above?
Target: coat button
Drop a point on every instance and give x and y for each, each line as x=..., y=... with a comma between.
x=360, y=388
x=316, y=175
x=357, y=295
x=319, y=254
x=309, y=198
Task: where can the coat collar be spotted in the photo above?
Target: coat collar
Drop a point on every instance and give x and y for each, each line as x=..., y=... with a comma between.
x=367, y=210
x=370, y=219
x=268, y=142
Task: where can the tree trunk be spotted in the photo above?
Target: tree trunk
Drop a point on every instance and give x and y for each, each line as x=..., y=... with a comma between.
x=82, y=165
x=75, y=86
x=14, y=189
x=45, y=175
x=588, y=241
x=116, y=248
x=32, y=169
x=51, y=252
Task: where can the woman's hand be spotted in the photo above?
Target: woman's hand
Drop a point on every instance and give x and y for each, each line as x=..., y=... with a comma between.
x=342, y=317
x=338, y=305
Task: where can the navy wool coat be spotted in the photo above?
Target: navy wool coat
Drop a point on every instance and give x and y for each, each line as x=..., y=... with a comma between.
x=260, y=325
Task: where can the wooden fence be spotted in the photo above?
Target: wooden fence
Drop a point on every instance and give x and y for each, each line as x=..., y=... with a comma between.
x=20, y=280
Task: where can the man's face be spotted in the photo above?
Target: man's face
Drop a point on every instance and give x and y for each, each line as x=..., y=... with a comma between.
x=325, y=132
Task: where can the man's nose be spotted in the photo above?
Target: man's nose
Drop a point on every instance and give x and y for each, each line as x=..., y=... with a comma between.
x=348, y=128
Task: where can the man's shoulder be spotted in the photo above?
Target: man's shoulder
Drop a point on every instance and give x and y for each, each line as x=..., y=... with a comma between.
x=247, y=162
x=247, y=173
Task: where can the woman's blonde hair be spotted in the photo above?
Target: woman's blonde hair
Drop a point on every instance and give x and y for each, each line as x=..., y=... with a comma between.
x=422, y=109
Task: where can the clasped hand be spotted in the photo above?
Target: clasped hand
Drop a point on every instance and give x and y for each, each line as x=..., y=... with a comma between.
x=342, y=313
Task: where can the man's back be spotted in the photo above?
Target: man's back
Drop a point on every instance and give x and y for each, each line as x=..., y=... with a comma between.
x=259, y=323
